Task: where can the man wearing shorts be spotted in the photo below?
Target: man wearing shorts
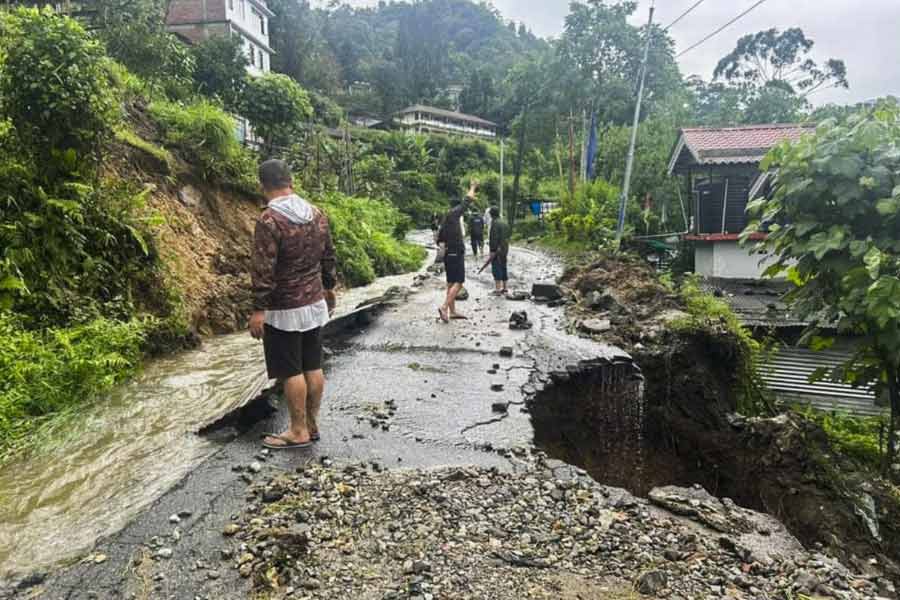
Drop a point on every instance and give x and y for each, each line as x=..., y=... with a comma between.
x=452, y=240
x=294, y=275
x=499, y=247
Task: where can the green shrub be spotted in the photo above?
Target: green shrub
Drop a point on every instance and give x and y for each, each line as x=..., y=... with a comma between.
x=857, y=437
x=56, y=90
x=43, y=373
x=206, y=135
x=221, y=69
x=276, y=107
x=364, y=233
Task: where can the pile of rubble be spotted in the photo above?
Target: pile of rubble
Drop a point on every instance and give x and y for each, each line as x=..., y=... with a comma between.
x=326, y=532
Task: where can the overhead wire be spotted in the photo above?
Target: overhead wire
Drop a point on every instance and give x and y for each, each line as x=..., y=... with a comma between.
x=683, y=15
x=720, y=29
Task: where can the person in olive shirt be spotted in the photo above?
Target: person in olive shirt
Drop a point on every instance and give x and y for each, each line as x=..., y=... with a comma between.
x=451, y=239
x=499, y=247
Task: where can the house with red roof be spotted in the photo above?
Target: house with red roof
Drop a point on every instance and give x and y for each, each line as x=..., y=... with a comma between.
x=722, y=169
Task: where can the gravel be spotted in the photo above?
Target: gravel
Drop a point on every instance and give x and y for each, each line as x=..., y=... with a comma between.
x=478, y=533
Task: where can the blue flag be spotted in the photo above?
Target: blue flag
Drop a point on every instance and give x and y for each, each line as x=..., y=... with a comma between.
x=592, y=147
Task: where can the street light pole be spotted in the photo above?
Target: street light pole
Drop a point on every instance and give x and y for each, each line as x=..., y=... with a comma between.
x=629, y=165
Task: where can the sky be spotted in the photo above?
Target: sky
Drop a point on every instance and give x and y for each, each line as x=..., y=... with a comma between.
x=864, y=33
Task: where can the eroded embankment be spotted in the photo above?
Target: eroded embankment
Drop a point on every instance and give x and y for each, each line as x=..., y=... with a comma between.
x=676, y=425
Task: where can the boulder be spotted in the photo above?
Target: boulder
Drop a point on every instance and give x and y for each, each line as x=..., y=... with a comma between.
x=595, y=326
x=546, y=291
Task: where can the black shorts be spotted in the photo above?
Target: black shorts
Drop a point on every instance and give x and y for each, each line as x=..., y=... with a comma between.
x=498, y=268
x=455, y=265
x=291, y=353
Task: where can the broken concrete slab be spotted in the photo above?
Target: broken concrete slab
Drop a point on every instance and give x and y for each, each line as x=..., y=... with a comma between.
x=547, y=291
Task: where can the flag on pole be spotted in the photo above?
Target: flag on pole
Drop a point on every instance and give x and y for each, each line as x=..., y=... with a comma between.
x=592, y=147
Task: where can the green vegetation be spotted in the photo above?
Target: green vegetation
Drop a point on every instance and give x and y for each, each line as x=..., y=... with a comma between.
x=861, y=438
x=43, y=373
x=366, y=233
x=832, y=224
x=275, y=106
x=206, y=133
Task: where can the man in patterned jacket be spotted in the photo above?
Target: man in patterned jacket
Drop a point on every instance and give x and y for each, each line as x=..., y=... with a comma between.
x=294, y=275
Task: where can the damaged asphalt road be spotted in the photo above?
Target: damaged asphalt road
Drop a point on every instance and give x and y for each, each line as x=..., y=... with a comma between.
x=405, y=392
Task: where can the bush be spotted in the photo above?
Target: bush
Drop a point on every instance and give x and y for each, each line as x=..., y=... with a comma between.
x=861, y=438
x=364, y=237
x=206, y=135
x=45, y=373
x=276, y=107
x=56, y=89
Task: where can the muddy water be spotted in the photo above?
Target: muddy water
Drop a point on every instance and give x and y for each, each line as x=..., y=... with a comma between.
x=130, y=448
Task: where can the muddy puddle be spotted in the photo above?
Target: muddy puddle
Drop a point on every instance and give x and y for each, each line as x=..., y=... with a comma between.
x=128, y=449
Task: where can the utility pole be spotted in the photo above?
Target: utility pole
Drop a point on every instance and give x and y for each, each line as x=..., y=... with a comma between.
x=629, y=165
x=501, y=177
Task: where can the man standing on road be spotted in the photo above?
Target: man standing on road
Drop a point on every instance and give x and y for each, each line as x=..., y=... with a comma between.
x=499, y=247
x=294, y=275
x=476, y=233
x=452, y=241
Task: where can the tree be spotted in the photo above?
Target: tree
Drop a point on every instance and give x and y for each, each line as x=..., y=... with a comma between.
x=276, y=108
x=221, y=69
x=833, y=226
x=770, y=56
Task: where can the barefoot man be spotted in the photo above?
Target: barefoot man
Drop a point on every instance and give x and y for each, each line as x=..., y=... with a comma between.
x=452, y=241
x=294, y=275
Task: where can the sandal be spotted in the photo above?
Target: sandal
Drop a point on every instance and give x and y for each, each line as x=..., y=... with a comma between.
x=288, y=443
x=459, y=317
x=443, y=314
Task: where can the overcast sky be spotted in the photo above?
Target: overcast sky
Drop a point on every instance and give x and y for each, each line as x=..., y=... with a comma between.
x=864, y=33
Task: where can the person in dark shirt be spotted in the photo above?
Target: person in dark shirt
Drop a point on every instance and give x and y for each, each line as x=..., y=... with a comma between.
x=499, y=247
x=476, y=233
x=451, y=241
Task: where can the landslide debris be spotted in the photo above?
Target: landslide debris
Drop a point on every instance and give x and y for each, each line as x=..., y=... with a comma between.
x=619, y=297
x=543, y=532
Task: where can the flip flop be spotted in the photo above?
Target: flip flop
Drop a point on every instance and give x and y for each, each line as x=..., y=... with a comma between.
x=443, y=315
x=315, y=437
x=459, y=317
x=288, y=444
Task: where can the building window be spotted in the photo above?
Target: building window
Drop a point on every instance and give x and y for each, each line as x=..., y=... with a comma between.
x=252, y=55
x=262, y=24
x=243, y=9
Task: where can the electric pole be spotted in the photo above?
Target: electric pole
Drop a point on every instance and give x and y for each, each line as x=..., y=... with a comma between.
x=629, y=165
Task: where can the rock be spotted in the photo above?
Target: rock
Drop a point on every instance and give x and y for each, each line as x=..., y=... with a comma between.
x=699, y=504
x=175, y=519
x=231, y=529
x=519, y=320
x=245, y=570
x=164, y=553
x=596, y=325
x=506, y=351
x=651, y=583
x=500, y=407
x=463, y=295
x=190, y=196
x=311, y=584
x=518, y=296
x=546, y=291
x=497, y=387
x=270, y=495
x=255, y=467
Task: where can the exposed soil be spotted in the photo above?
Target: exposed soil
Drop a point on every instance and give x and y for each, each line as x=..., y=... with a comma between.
x=205, y=236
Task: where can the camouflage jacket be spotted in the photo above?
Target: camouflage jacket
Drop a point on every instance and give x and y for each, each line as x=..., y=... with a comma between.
x=293, y=256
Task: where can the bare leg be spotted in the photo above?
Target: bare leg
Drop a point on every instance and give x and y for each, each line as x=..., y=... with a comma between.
x=315, y=383
x=452, y=293
x=295, y=396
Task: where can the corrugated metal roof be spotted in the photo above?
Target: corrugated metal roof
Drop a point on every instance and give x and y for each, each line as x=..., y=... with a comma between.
x=732, y=145
x=787, y=375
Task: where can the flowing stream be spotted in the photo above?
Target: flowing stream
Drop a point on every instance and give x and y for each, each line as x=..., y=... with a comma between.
x=128, y=449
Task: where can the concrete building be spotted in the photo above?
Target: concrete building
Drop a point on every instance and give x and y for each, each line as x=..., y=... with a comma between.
x=428, y=119
x=722, y=170
x=197, y=20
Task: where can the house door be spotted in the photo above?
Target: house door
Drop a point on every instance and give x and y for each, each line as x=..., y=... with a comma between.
x=711, y=196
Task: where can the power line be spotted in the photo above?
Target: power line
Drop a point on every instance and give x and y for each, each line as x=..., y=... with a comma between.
x=720, y=29
x=683, y=15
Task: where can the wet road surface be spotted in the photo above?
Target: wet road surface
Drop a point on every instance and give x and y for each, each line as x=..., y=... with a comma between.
x=434, y=376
